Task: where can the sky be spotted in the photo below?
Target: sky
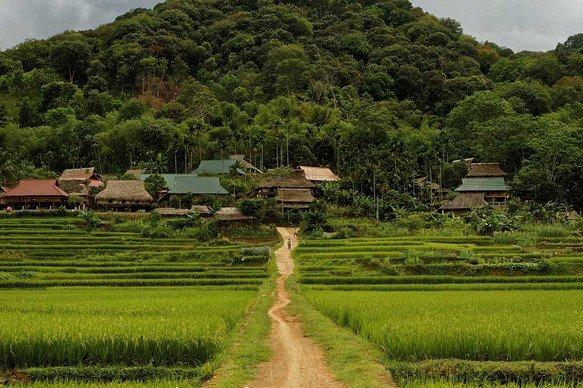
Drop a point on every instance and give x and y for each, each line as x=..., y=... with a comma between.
x=518, y=24
x=536, y=25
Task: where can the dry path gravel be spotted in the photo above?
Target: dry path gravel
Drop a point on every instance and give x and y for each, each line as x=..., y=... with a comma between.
x=296, y=360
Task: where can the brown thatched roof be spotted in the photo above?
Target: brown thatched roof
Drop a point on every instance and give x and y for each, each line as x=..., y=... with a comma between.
x=126, y=191
x=295, y=196
x=465, y=201
x=74, y=187
x=135, y=172
x=230, y=214
x=319, y=174
x=485, y=170
x=424, y=182
x=296, y=180
x=80, y=174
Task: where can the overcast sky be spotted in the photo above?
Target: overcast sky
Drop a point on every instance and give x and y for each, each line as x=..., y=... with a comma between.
x=518, y=24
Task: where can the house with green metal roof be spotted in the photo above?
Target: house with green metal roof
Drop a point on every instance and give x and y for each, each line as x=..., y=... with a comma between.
x=483, y=185
x=197, y=185
x=168, y=178
x=219, y=167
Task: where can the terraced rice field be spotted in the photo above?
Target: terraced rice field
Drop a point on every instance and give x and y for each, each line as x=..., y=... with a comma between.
x=53, y=252
x=455, y=308
x=114, y=306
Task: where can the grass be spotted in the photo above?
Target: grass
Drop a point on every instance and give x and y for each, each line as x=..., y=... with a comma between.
x=239, y=364
x=471, y=325
x=449, y=308
x=71, y=327
x=351, y=359
x=114, y=307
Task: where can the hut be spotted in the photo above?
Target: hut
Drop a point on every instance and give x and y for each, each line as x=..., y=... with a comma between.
x=79, y=182
x=484, y=184
x=124, y=195
x=292, y=192
x=135, y=172
x=34, y=194
x=230, y=214
x=425, y=185
x=318, y=175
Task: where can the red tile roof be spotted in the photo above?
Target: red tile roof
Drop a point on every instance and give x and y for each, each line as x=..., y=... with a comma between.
x=36, y=188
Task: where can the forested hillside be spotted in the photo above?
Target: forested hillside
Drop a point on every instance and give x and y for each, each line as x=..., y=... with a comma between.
x=378, y=90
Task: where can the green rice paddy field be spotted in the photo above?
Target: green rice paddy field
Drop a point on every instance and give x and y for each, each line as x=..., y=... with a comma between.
x=101, y=306
x=449, y=310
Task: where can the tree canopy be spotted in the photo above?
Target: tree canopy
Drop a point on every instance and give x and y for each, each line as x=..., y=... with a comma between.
x=379, y=90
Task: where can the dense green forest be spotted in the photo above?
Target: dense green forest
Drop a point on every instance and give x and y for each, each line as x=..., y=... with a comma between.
x=378, y=90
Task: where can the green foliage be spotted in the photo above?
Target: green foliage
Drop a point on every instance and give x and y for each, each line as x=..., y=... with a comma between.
x=294, y=84
x=315, y=218
x=486, y=221
x=154, y=184
x=90, y=220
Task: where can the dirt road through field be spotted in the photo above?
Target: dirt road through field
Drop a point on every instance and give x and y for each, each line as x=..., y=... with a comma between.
x=296, y=360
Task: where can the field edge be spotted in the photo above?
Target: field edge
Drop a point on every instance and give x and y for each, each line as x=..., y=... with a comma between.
x=351, y=359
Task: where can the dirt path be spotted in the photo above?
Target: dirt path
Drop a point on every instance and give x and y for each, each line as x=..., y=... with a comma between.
x=296, y=360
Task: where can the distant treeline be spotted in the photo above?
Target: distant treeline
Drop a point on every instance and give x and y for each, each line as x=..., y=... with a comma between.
x=380, y=91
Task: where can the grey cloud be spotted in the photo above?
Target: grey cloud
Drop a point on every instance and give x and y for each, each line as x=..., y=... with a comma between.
x=28, y=19
x=518, y=24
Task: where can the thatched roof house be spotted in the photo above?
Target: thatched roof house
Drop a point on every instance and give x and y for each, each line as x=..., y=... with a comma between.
x=424, y=182
x=136, y=172
x=484, y=184
x=294, y=198
x=35, y=193
x=485, y=170
x=124, y=194
x=78, y=181
x=319, y=174
x=291, y=192
x=230, y=214
x=296, y=180
x=464, y=202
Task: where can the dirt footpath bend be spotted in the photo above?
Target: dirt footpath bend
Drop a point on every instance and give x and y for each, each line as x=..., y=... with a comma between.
x=296, y=360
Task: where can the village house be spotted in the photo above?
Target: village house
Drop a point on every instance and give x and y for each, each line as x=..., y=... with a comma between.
x=230, y=215
x=318, y=175
x=483, y=185
x=79, y=182
x=124, y=195
x=292, y=192
x=235, y=163
x=423, y=186
x=35, y=194
x=189, y=184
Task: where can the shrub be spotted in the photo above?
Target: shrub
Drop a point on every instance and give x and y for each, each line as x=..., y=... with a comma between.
x=154, y=184
x=316, y=217
x=90, y=220
x=485, y=221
